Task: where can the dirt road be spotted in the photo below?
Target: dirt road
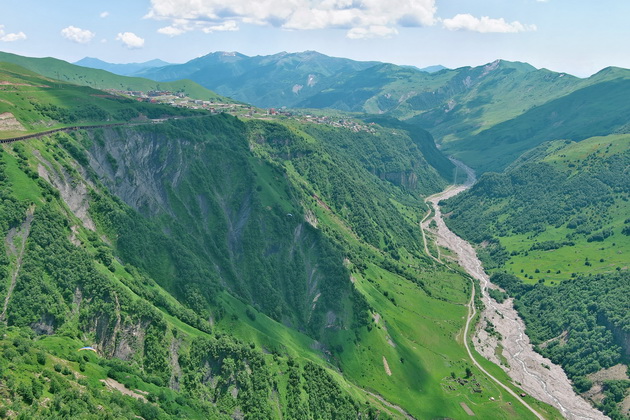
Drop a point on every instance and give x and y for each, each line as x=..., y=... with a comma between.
x=537, y=376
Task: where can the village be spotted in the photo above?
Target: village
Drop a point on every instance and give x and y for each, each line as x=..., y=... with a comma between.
x=242, y=110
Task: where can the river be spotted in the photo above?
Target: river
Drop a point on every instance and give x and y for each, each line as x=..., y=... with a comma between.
x=537, y=376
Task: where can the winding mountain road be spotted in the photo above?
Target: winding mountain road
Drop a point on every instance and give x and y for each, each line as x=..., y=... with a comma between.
x=536, y=375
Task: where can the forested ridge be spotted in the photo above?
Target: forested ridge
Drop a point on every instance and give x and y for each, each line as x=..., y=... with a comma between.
x=71, y=287
x=581, y=199
x=181, y=258
x=553, y=230
x=213, y=267
x=582, y=325
x=218, y=267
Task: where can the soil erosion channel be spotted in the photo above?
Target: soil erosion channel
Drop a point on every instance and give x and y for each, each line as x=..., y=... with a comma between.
x=537, y=376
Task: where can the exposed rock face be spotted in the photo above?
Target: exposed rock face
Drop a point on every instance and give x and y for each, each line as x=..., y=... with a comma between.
x=205, y=189
x=45, y=326
x=406, y=179
x=74, y=191
x=136, y=165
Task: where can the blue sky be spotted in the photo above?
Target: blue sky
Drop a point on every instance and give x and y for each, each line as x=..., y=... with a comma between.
x=575, y=36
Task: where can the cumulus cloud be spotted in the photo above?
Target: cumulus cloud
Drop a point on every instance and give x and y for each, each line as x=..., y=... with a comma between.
x=229, y=25
x=172, y=30
x=11, y=37
x=78, y=35
x=104, y=14
x=484, y=24
x=371, y=32
x=360, y=18
x=130, y=40
x=180, y=26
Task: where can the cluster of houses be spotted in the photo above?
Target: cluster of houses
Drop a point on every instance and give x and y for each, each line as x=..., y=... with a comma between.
x=180, y=99
x=343, y=123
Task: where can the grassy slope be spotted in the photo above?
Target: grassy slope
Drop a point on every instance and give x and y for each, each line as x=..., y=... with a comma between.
x=558, y=217
x=571, y=259
x=418, y=334
x=59, y=70
x=423, y=327
x=595, y=110
x=263, y=331
x=495, y=93
x=41, y=104
x=60, y=349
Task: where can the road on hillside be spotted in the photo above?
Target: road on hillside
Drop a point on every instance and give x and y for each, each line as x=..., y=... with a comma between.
x=89, y=127
x=537, y=376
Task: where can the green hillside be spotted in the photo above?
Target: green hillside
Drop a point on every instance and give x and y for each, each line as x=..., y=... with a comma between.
x=283, y=79
x=487, y=115
x=595, y=110
x=554, y=229
x=222, y=268
x=61, y=71
x=35, y=103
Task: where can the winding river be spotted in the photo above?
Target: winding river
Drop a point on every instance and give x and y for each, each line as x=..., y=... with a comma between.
x=536, y=375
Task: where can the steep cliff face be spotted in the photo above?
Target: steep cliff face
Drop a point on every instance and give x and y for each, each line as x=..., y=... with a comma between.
x=408, y=179
x=136, y=256
x=237, y=215
x=80, y=313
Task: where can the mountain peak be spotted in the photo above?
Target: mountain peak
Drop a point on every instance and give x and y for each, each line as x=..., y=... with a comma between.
x=610, y=73
x=517, y=65
x=220, y=56
x=87, y=61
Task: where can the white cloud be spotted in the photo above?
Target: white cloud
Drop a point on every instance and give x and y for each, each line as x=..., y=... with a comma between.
x=484, y=24
x=81, y=36
x=361, y=18
x=172, y=30
x=11, y=37
x=131, y=40
x=180, y=26
x=104, y=14
x=227, y=26
x=371, y=32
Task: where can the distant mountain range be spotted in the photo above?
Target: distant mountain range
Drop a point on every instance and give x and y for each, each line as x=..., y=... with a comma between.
x=259, y=266
x=283, y=79
x=488, y=115
x=430, y=69
x=120, y=69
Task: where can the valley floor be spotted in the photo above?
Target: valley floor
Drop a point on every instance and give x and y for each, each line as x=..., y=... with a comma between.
x=508, y=345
